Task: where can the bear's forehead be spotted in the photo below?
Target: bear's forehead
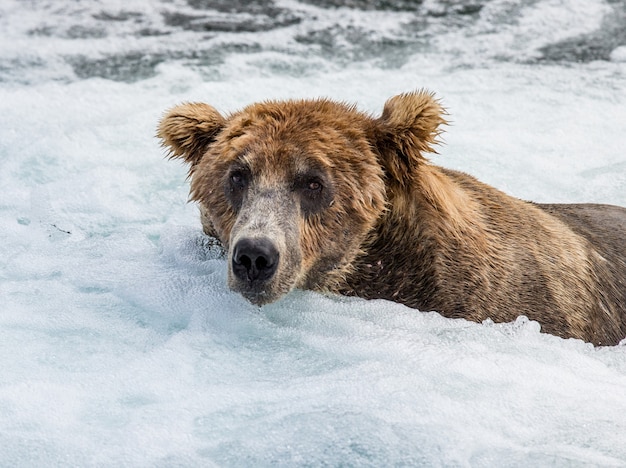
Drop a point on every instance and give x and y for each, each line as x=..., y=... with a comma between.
x=322, y=109
x=295, y=135
x=286, y=158
x=303, y=121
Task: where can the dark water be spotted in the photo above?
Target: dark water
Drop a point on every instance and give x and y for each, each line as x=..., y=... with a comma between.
x=129, y=43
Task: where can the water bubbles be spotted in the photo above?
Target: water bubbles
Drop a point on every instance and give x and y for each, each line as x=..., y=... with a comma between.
x=120, y=342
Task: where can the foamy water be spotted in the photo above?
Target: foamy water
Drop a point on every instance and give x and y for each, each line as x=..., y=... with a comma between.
x=120, y=343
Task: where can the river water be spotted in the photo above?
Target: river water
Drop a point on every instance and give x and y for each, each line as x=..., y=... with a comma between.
x=120, y=344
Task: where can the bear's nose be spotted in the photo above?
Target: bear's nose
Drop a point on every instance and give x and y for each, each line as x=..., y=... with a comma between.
x=254, y=259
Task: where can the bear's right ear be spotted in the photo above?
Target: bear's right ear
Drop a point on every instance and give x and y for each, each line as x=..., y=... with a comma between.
x=188, y=129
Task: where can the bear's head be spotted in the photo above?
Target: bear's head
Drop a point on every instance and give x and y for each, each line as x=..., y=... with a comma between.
x=295, y=189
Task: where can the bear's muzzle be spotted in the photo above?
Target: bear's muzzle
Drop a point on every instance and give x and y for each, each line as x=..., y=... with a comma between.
x=264, y=254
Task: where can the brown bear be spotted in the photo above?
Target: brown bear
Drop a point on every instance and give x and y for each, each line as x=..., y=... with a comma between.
x=314, y=194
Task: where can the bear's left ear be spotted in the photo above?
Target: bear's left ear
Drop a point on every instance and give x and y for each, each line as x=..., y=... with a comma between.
x=188, y=130
x=408, y=128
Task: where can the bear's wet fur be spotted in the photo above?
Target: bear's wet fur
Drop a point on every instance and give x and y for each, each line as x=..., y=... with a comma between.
x=314, y=194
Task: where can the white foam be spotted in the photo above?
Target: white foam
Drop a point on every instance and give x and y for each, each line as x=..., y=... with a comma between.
x=120, y=343
x=619, y=54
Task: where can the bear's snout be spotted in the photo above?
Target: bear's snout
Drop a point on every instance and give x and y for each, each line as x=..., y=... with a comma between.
x=254, y=259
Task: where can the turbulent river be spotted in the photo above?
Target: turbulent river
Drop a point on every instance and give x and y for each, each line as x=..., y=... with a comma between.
x=120, y=343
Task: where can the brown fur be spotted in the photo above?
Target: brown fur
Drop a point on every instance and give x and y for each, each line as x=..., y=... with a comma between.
x=353, y=206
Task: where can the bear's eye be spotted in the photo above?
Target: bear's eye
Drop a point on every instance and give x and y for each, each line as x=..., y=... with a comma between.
x=238, y=180
x=315, y=192
x=236, y=183
x=313, y=185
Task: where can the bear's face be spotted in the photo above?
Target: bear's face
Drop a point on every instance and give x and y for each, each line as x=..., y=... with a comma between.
x=292, y=189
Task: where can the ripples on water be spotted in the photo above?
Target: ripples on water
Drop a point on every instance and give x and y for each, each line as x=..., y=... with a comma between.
x=120, y=343
x=127, y=41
